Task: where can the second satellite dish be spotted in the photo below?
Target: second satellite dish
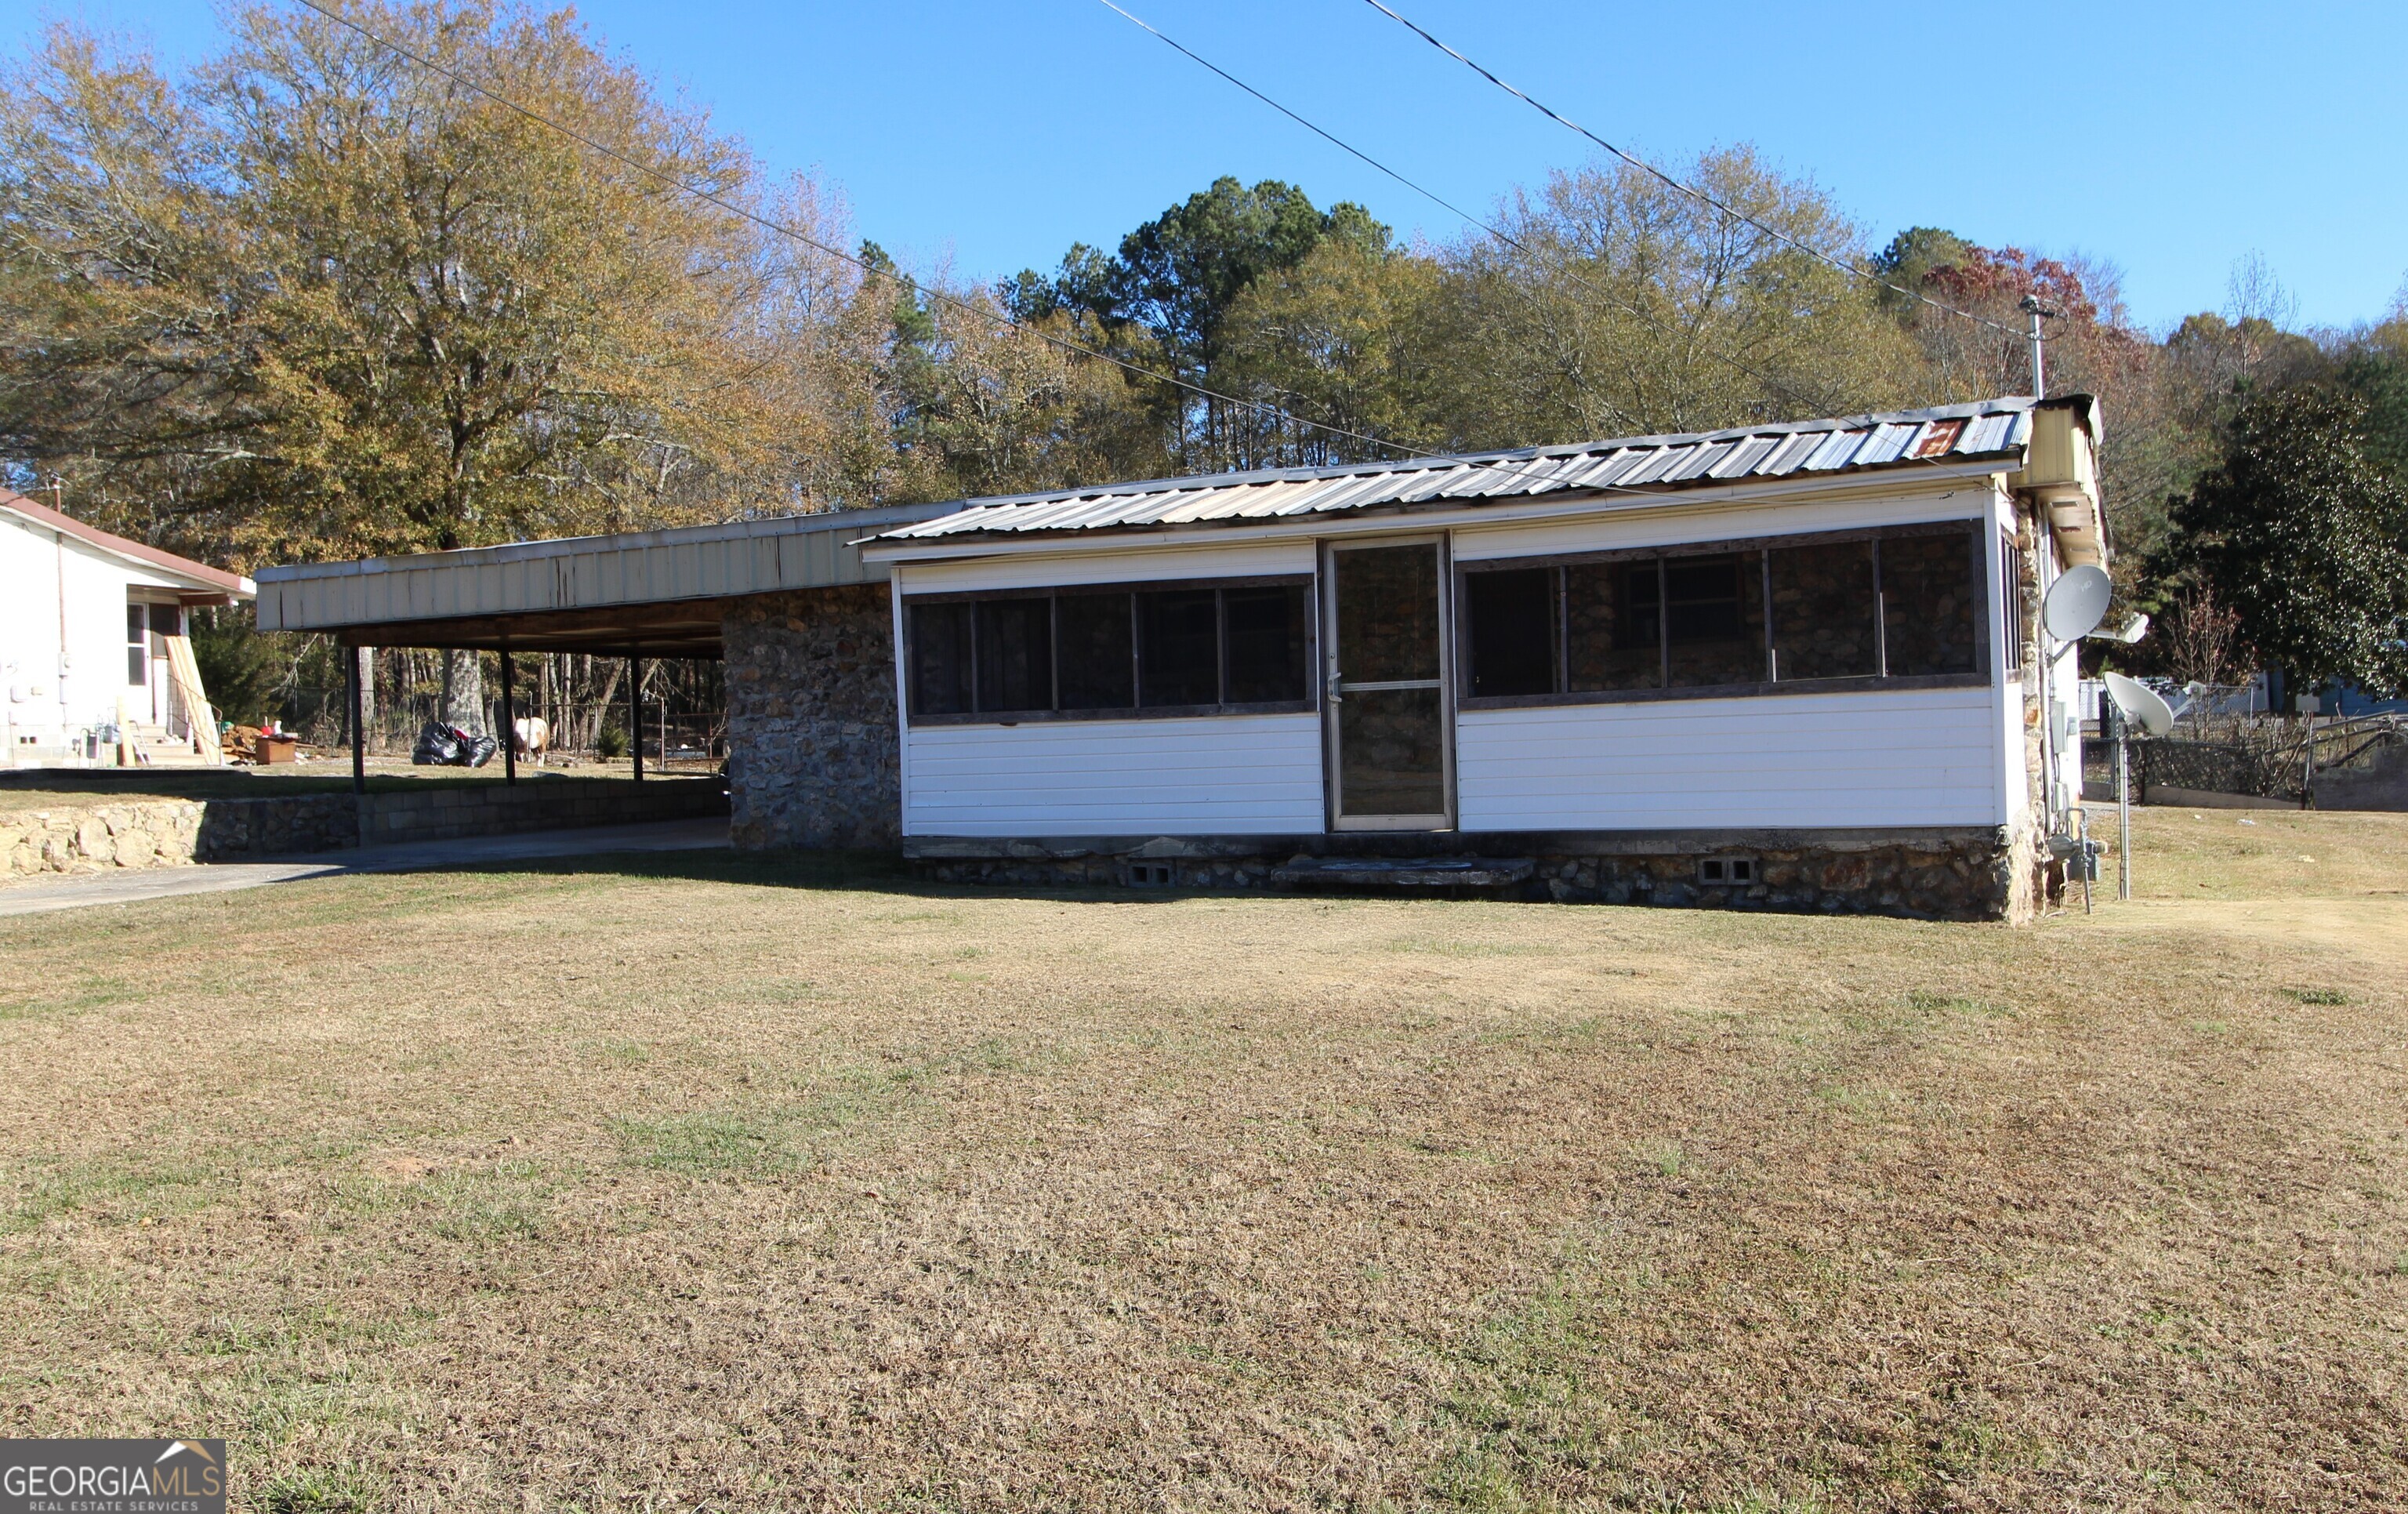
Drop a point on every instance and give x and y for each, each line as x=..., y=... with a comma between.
x=2076, y=603
x=2141, y=704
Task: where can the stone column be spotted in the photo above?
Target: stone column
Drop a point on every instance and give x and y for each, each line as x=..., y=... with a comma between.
x=815, y=756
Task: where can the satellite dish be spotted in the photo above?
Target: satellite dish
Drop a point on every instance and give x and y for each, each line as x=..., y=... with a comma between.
x=2140, y=704
x=2076, y=603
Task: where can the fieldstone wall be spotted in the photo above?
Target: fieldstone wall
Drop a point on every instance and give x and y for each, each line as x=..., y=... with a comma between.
x=440, y=810
x=156, y=833
x=1955, y=874
x=810, y=720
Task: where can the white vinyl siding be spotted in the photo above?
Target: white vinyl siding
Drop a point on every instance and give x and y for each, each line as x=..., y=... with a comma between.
x=1911, y=757
x=1223, y=775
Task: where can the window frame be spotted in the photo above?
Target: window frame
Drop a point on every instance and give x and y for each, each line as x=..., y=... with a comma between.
x=1310, y=704
x=1985, y=641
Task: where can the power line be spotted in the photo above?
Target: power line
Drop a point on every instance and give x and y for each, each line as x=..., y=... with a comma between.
x=908, y=282
x=1695, y=194
x=1502, y=236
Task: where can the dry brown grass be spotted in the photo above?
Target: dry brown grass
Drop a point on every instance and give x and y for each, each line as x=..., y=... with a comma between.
x=755, y=1188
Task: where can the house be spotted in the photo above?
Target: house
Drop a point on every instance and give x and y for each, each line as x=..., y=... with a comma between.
x=1784, y=666
x=94, y=643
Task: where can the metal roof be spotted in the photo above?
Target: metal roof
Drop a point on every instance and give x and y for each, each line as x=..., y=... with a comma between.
x=200, y=578
x=656, y=590
x=1949, y=434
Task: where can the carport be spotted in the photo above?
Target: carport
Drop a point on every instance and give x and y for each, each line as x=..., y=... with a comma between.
x=635, y=594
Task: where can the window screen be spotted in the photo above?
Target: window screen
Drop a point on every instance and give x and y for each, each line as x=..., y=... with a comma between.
x=1612, y=627
x=1178, y=649
x=1713, y=620
x=940, y=658
x=1266, y=639
x=1015, y=653
x=1823, y=623
x=1929, y=587
x=1513, y=630
x=1098, y=666
x=1904, y=603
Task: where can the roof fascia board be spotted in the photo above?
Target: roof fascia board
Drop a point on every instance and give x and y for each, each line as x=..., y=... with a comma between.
x=158, y=561
x=569, y=546
x=1571, y=505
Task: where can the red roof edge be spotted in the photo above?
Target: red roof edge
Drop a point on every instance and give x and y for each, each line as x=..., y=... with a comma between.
x=216, y=578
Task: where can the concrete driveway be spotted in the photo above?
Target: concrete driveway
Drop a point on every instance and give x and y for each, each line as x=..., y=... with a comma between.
x=37, y=895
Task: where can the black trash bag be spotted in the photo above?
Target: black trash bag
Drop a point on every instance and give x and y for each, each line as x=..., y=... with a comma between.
x=438, y=745
x=477, y=751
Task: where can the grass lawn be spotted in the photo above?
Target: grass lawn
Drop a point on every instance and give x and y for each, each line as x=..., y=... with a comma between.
x=694, y=1183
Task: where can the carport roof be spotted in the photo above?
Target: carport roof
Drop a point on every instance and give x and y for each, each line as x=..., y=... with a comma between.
x=660, y=593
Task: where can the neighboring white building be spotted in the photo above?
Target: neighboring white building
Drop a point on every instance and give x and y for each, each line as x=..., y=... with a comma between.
x=94, y=646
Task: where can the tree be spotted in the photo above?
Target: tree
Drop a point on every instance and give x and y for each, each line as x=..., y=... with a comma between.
x=1163, y=300
x=2198, y=638
x=1343, y=337
x=1625, y=305
x=2306, y=541
x=318, y=300
x=322, y=299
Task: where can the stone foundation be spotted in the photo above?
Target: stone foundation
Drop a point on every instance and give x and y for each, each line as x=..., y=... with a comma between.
x=1976, y=873
x=810, y=720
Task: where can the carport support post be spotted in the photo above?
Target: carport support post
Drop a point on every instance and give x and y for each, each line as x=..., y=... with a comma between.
x=359, y=735
x=636, y=711
x=510, y=721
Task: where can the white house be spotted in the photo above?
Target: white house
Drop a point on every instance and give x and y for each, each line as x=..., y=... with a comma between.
x=1785, y=664
x=93, y=645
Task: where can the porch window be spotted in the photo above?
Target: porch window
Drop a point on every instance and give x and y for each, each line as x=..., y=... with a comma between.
x=1826, y=612
x=1232, y=647
x=1869, y=609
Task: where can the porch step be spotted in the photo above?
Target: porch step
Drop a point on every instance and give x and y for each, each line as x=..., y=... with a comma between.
x=155, y=748
x=1405, y=871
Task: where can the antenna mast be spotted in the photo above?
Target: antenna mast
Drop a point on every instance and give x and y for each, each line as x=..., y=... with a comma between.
x=2031, y=306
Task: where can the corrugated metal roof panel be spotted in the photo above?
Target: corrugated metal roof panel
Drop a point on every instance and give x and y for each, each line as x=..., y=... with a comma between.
x=1658, y=462
x=1699, y=460
x=1634, y=463
x=1743, y=458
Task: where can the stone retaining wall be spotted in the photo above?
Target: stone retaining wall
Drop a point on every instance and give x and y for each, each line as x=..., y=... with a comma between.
x=150, y=833
x=810, y=720
x=1957, y=874
x=140, y=834
x=451, y=811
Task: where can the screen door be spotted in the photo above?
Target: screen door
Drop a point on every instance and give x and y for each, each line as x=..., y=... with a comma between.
x=1390, y=761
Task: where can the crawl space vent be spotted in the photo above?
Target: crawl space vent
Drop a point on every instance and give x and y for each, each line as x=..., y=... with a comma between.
x=1727, y=870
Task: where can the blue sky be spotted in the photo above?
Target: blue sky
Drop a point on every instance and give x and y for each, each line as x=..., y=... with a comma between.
x=2170, y=138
